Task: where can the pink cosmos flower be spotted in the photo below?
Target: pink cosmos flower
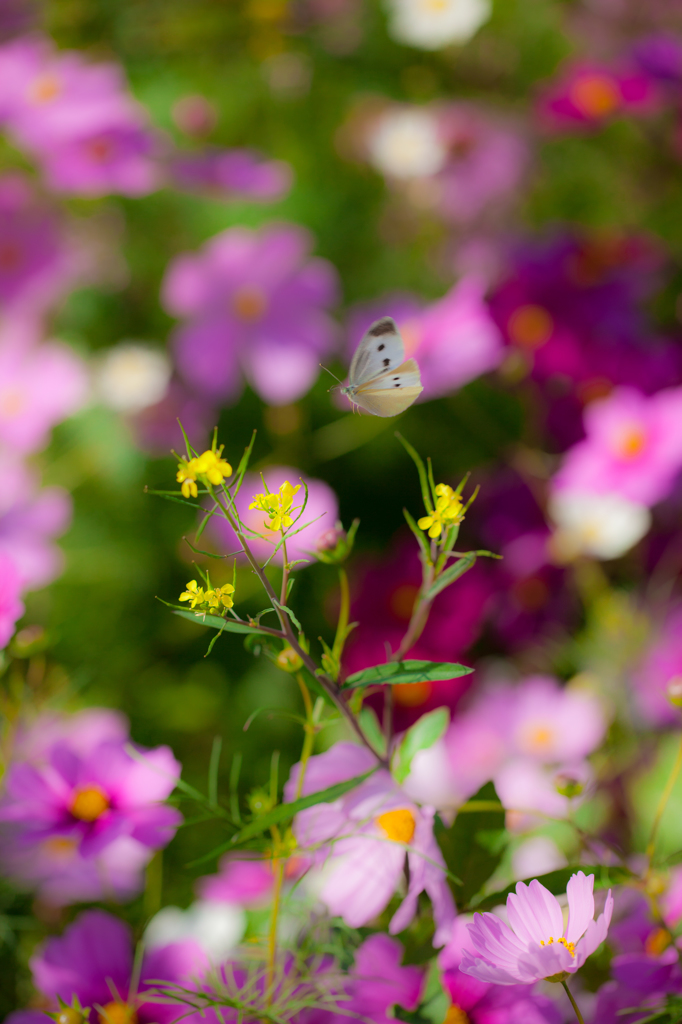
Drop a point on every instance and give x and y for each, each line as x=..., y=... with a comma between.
x=378, y=981
x=83, y=731
x=254, y=304
x=633, y=447
x=29, y=520
x=77, y=119
x=39, y=387
x=244, y=881
x=525, y=787
x=321, y=513
x=480, y=1002
x=454, y=340
x=232, y=173
x=551, y=722
x=360, y=842
x=94, y=961
x=536, y=945
x=11, y=607
x=72, y=801
x=587, y=95
x=660, y=667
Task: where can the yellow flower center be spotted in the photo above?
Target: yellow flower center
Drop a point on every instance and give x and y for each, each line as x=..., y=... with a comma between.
x=631, y=442
x=657, y=942
x=249, y=303
x=570, y=946
x=455, y=1015
x=398, y=825
x=89, y=803
x=45, y=89
x=595, y=95
x=117, y=1013
x=530, y=326
x=538, y=739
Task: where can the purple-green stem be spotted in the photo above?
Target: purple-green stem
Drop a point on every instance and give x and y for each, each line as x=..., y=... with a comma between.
x=573, y=1003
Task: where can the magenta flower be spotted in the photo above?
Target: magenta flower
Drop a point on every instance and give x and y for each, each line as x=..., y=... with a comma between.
x=77, y=119
x=39, y=387
x=29, y=520
x=71, y=802
x=255, y=305
x=93, y=961
x=231, y=174
x=321, y=513
x=587, y=95
x=244, y=881
x=360, y=842
x=11, y=607
x=633, y=447
x=377, y=982
x=454, y=340
x=536, y=945
x=480, y=1002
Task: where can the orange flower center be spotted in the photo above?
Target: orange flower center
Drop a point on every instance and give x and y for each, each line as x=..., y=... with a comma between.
x=530, y=326
x=249, y=303
x=455, y=1015
x=538, y=739
x=631, y=442
x=398, y=825
x=117, y=1013
x=570, y=946
x=595, y=95
x=657, y=942
x=60, y=846
x=412, y=695
x=401, y=601
x=45, y=89
x=89, y=803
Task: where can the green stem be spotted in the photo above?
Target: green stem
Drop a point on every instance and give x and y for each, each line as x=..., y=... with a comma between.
x=344, y=615
x=662, y=804
x=573, y=1003
x=309, y=738
x=278, y=868
x=285, y=572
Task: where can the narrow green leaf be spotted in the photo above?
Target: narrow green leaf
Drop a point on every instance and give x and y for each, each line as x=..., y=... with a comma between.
x=198, y=551
x=284, y=812
x=421, y=469
x=420, y=736
x=369, y=723
x=213, y=769
x=244, y=461
x=420, y=535
x=217, y=622
x=406, y=672
x=172, y=497
x=556, y=882
x=451, y=574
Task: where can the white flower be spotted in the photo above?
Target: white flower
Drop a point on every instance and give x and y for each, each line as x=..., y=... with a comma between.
x=131, y=377
x=432, y=24
x=406, y=144
x=602, y=525
x=216, y=927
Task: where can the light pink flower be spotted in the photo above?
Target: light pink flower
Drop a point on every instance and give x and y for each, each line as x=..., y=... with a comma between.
x=536, y=945
x=11, y=607
x=360, y=842
x=553, y=723
x=454, y=340
x=321, y=512
x=524, y=786
x=660, y=667
x=245, y=881
x=633, y=447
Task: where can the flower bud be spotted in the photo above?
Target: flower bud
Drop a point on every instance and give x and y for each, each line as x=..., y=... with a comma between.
x=69, y=1015
x=568, y=785
x=335, y=545
x=288, y=660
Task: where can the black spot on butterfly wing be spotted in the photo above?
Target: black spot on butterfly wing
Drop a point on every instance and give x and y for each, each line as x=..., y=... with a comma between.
x=387, y=362
x=384, y=326
x=381, y=347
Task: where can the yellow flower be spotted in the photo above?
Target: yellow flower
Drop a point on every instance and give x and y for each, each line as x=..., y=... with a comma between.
x=187, y=476
x=194, y=594
x=447, y=512
x=277, y=506
x=220, y=596
x=213, y=467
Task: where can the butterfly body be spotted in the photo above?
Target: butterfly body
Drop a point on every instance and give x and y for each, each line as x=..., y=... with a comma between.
x=381, y=380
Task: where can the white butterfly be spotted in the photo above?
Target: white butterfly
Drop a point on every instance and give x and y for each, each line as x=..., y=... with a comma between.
x=381, y=380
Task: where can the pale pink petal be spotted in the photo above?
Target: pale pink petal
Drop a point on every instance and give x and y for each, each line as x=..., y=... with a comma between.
x=534, y=914
x=485, y=971
x=358, y=886
x=492, y=938
x=580, y=905
x=595, y=934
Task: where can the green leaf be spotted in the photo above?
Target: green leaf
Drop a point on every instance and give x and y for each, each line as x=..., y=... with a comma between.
x=420, y=736
x=420, y=535
x=409, y=671
x=369, y=723
x=451, y=574
x=217, y=622
x=467, y=849
x=556, y=881
x=284, y=812
x=423, y=479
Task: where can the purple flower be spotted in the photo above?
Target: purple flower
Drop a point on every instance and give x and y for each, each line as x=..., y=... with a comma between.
x=321, y=513
x=93, y=961
x=231, y=173
x=241, y=880
x=377, y=981
x=454, y=340
x=479, y=1002
x=11, y=607
x=536, y=945
x=29, y=520
x=586, y=95
x=77, y=119
x=255, y=304
x=361, y=842
x=660, y=56
x=71, y=802
x=633, y=447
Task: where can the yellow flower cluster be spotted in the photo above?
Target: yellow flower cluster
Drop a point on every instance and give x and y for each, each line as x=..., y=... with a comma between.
x=447, y=512
x=218, y=598
x=209, y=465
x=277, y=505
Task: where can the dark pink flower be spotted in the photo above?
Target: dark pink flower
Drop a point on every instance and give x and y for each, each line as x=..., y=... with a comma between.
x=255, y=305
x=11, y=607
x=231, y=174
x=240, y=880
x=586, y=95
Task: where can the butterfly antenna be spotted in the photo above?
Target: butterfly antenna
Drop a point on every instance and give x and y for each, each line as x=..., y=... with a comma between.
x=339, y=382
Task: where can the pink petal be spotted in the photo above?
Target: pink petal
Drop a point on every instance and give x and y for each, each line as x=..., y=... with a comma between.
x=485, y=971
x=534, y=914
x=595, y=934
x=580, y=905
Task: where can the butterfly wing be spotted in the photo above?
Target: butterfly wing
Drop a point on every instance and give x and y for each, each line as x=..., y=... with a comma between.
x=380, y=350
x=390, y=393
